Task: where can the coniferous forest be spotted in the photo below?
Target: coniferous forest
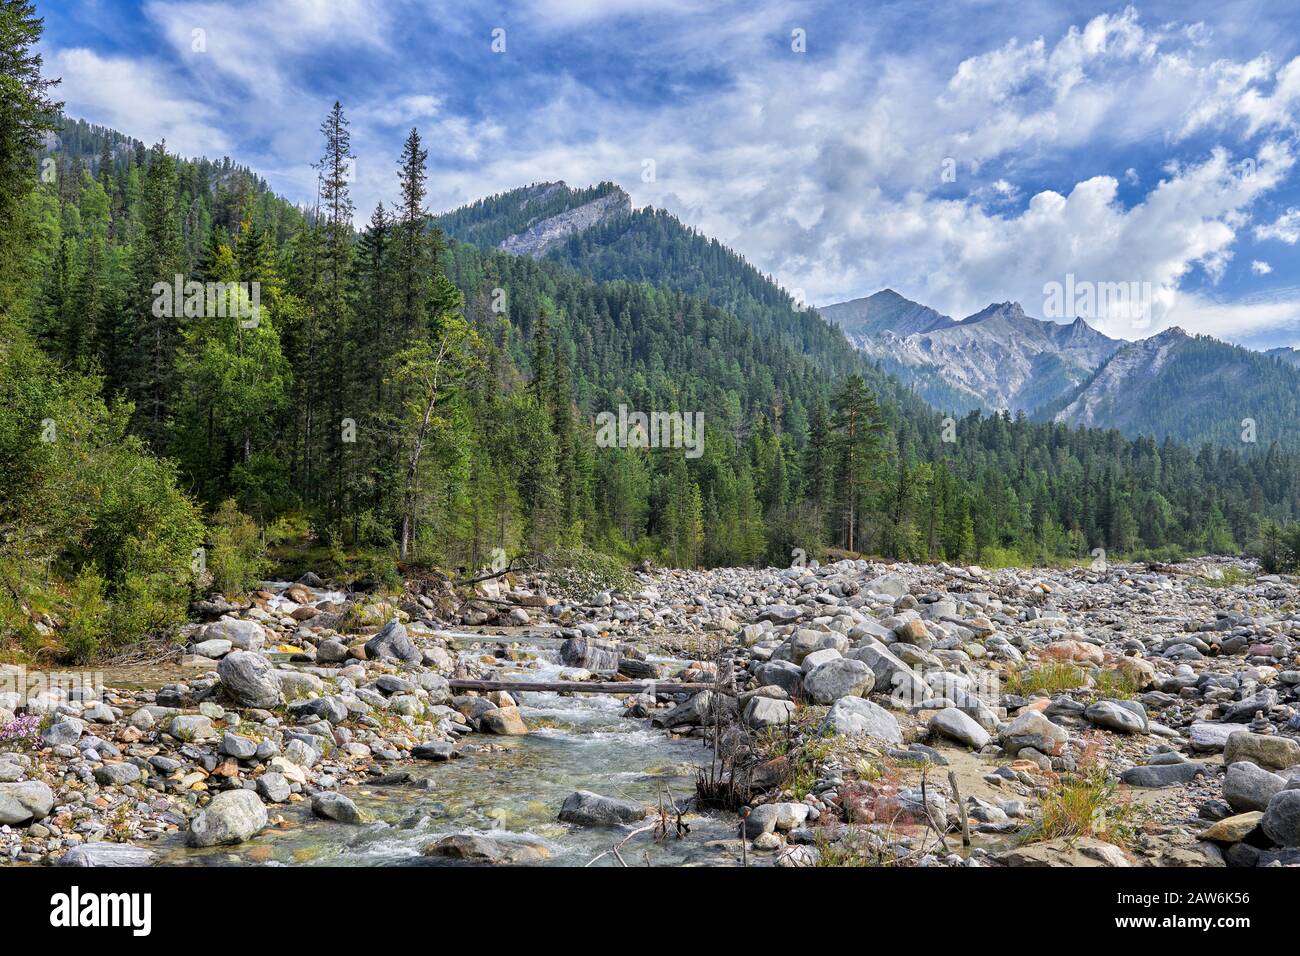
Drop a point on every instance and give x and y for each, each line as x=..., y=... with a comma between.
x=406, y=399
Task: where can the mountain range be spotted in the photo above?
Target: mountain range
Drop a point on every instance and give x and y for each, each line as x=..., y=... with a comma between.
x=1171, y=385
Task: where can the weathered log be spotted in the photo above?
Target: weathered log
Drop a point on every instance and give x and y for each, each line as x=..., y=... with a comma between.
x=582, y=687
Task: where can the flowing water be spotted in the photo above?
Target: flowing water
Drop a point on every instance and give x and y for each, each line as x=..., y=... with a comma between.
x=509, y=788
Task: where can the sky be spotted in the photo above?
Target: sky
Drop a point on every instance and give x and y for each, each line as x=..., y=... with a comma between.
x=960, y=153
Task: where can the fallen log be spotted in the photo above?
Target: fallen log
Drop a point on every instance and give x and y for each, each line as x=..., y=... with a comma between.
x=582, y=686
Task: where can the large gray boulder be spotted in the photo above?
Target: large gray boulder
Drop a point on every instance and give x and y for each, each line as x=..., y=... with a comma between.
x=24, y=802
x=392, y=643
x=840, y=677
x=233, y=816
x=476, y=848
x=1125, y=717
x=891, y=585
x=64, y=730
x=893, y=676
x=1207, y=736
x=696, y=711
x=851, y=716
x=250, y=680
x=243, y=635
x=764, y=712
x=1281, y=821
x=334, y=806
x=1032, y=729
x=590, y=654
x=1250, y=787
x=106, y=854
x=1266, y=750
x=1155, y=776
x=959, y=726
x=591, y=809
x=783, y=674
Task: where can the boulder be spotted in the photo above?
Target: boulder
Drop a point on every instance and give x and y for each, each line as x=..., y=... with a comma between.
x=1125, y=717
x=959, y=726
x=436, y=750
x=244, y=635
x=475, y=848
x=503, y=720
x=106, y=854
x=771, y=817
x=1066, y=851
x=839, y=677
x=116, y=774
x=1233, y=829
x=904, y=685
x=1266, y=750
x=1162, y=775
x=783, y=674
x=249, y=680
x=763, y=712
x=24, y=802
x=335, y=806
x=696, y=711
x=890, y=585
x=591, y=809
x=215, y=648
x=851, y=716
x=590, y=653
x=1031, y=729
x=64, y=730
x=189, y=727
x=331, y=651
x=274, y=787
x=1281, y=822
x=1250, y=787
x=392, y=643
x=232, y=817
x=1207, y=736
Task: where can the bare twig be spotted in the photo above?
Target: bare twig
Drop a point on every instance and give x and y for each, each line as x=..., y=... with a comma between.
x=615, y=848
x=956, y=794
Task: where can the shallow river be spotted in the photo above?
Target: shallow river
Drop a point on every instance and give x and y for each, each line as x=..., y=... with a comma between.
x=510, y=787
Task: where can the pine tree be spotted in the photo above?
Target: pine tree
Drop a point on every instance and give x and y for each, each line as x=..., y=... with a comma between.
x=26, y=115
x=151, y=376
x=857, y=425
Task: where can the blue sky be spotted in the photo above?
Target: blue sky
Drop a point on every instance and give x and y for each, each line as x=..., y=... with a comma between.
x=1148, y=144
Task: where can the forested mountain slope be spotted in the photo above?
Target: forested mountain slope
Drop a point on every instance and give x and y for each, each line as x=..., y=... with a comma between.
x=428, y=400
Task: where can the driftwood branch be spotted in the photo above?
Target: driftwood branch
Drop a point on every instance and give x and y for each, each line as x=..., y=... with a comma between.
x=617, y=846
x=961, y=808
x=486, y=577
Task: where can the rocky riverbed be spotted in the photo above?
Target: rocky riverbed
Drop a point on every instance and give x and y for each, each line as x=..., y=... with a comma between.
x=854, y=713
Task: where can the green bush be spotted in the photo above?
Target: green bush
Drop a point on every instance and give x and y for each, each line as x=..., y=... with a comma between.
x=237, y=559
x=86, y=621
x=580, y=573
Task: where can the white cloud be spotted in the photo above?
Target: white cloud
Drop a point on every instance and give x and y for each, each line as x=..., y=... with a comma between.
x=1259, y=323
x=1260, y=268
x=1286, y=228
x=825, y=170
x=136, y=98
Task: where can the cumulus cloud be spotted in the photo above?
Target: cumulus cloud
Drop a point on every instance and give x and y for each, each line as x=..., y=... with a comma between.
x=1286, y=228
x=958, y=178
x=136, y=98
